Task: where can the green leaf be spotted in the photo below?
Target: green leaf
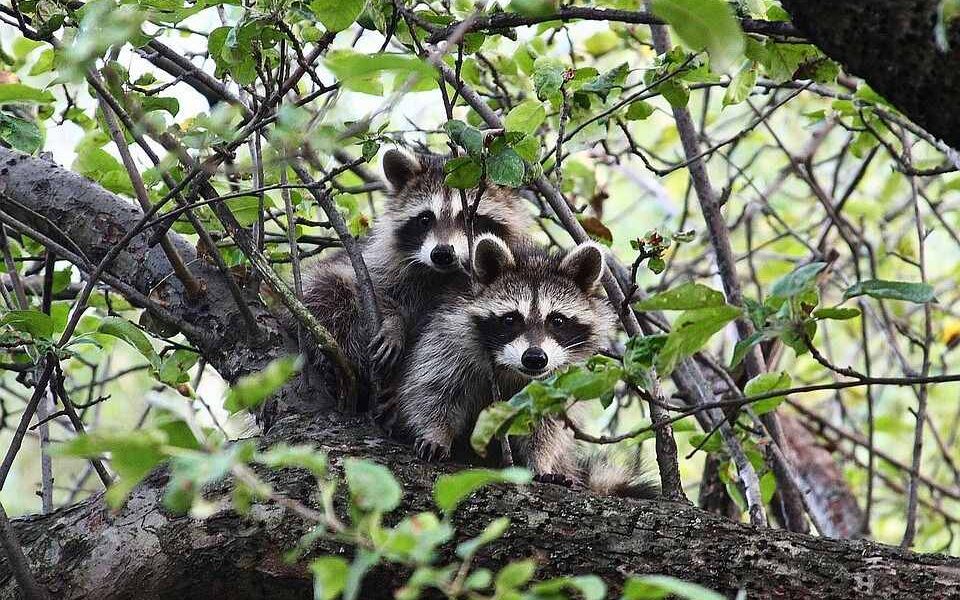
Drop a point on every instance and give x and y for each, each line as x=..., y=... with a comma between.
x=768, y=485
x=20, y=133
x=948, y=11
x=247, y=208
x=656, y=265
x=710, y=445
x=639, y=357
x=282, y=456
x=173, y=369
x=528, y=148
x=705, y=24
x=533, y=8
x=98, y=165
x=18, y=92
x=525, y=117
x=590, y=587
x=547, y=77
x=506, y=168
x=372, y=487
x=607, y=82
x=492, y=421
x=133, y=455
x=764, y=383
x=337, y=15
x=416, y=537
x=798, y=281
x=586, y=383
x=515, y=574
x=919, y=293
x=467, y=137
x=349, y=66
x=654, y=587
x=450, y=490
x=362, y=563
x=741, y=85
x=691, y=331
x=329, y=576
x=688, y=296
x=639, y=110
x=675, y=92
x=39, y=325
x=191, y=471
x=744, y=346
x=837, y=313
x=251, y=390
x=602, y=42
x=126, y=331
x=463, y=172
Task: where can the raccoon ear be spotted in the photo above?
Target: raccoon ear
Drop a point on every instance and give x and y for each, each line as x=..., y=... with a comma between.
x=584, y=264
x=399, y=168
x=490, y=257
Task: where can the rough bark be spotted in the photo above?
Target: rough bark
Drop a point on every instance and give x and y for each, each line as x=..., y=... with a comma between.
x=827, y=491
x=142, y=552
x=890, y=44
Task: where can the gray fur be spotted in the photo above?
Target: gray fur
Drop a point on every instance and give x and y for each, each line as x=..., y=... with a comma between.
x=452, y=373
x=406, y=287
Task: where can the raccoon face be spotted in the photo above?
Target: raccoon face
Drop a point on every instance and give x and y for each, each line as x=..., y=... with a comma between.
x=536, y=312
x=428, y=216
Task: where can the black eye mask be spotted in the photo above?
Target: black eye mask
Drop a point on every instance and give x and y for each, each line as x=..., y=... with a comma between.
x=413, y=232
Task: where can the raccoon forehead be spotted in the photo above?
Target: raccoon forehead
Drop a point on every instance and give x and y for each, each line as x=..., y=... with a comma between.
x=503, y=302
x=564, y=299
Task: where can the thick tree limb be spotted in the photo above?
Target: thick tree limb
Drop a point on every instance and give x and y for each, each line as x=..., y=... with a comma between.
x=143, y=552
x=890, y=43
x=88, y=219
x=500, y=22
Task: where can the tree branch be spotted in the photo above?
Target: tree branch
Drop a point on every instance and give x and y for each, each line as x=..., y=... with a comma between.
x=500, y=22
x=85, y=218
x=88, y=551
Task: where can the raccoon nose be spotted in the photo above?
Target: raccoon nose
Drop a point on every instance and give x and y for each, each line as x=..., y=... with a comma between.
x=534, y=358
x=443, y=255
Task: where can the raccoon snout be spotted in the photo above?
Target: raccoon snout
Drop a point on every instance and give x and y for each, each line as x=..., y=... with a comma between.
x=443, y=256
x=534, y=359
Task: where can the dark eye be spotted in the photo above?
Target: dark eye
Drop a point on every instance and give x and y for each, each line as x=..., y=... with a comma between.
x=425, y=219
x=556, y=320
x=509, y=319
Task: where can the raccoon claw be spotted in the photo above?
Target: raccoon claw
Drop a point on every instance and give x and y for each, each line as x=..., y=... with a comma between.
x=430, y=451
x=386, y=349
x=555, y=479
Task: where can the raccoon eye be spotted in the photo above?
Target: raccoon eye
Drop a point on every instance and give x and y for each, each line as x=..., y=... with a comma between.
x=425, y=219
x=510, y=319
x=556, y=320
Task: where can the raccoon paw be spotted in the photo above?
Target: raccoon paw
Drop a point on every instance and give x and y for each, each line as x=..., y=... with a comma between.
x=386, y=348
x=431, y=451
x=556, y=479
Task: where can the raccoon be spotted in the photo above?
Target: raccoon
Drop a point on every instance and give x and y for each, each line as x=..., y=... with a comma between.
x=415, y=252
x=529, y=314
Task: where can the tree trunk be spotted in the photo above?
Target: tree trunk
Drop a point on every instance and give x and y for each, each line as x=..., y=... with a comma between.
x=890, y=44
x=143, y=552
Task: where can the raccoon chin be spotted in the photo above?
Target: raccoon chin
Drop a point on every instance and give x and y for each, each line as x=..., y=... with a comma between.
x=537, y=375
